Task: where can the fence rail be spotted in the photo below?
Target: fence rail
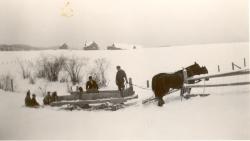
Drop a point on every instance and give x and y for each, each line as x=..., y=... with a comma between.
x=216, y=85
x=233, y=73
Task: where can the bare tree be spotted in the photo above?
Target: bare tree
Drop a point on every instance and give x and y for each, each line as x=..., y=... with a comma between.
x=98, y=73
x=55, y=67
x=25, y=70
x=74, y=66
x=41, y=65
x=49, y=67
x=32, y=79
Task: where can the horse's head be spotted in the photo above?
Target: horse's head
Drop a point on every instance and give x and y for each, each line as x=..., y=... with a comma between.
x=203, y=70
x=195, y=69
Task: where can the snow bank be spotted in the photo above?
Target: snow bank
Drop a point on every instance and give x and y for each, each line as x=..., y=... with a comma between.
x=218, y=116
x=225, y=114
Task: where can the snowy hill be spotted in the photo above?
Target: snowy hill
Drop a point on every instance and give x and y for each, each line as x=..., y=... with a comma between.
x=225, y=114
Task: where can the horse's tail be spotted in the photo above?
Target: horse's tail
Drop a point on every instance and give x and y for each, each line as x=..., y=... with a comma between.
x=159, y=85
x=154, y=83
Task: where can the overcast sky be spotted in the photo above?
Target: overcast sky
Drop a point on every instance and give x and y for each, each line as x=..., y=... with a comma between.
x=146, y=22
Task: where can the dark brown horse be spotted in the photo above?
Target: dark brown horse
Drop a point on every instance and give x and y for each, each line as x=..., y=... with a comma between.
x=162, y=82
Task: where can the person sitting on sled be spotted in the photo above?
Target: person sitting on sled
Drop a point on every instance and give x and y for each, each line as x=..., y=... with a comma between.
x=34, y=103
x=91, y=85
x=54, y=97
x=28, y=99
x=47, y=99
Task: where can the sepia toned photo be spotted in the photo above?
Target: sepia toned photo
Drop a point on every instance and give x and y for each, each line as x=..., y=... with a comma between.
x=124, y=69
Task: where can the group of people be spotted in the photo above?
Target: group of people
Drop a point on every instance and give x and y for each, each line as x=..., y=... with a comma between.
x=31, y=102
x=50, y=98
x=121, y=77
x=91, y=86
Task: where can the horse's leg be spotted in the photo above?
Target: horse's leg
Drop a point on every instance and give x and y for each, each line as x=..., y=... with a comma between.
x=189, y=90
x=181, y=92
x=160, y=101
x=160, y=98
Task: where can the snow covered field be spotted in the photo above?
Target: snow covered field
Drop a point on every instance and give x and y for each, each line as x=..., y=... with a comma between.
x=225, y=114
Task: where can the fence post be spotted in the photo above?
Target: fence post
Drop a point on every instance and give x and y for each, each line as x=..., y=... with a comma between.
x=185, y=75
x=130, y=82
x=218, y=68
x=245, y=62
x=234, y=65
x=147, y=83
x=12, y=88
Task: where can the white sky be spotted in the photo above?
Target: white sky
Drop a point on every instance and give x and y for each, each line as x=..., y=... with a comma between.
x=146, y=22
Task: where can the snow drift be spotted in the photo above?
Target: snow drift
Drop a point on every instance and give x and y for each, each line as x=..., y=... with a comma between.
x=225, y=114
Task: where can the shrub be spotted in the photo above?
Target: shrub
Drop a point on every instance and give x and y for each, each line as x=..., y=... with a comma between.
x=98, y=73
x=6, y=82
x=63, y=76
x=32, y=80
x=49, y=67
x=73, y=67
x=25, y=69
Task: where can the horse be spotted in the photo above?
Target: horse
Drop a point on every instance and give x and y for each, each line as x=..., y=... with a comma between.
x=162, y=82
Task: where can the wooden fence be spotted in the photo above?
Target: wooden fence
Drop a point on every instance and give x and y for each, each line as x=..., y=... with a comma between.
x=227, y=74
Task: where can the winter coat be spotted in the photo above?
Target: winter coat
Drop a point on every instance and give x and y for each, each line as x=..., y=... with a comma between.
x=47, y=100
x=27, y=101
x=120, y=76
x=54, y=97
x=34, y=102
x=91, y=85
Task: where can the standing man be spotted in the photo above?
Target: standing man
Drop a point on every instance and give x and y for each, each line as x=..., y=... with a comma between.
x=120, y=76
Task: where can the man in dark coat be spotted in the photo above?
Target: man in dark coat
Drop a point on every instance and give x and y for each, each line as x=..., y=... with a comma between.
x=91, y=85
x=54, y=97
x=47, y=99
x=34, y=103
x=120, y=77
x=28, y=99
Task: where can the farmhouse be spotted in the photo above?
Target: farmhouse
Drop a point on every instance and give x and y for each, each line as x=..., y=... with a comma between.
x=113, y=47
x=92, y=46
x=64, y=46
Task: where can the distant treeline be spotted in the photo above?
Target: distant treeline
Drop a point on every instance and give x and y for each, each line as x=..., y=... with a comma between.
x=20, y=47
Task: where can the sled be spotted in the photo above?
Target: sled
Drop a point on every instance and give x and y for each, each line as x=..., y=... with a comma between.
x=81, y=99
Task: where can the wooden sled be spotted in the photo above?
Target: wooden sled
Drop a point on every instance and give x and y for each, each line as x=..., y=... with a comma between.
x=97, y=97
